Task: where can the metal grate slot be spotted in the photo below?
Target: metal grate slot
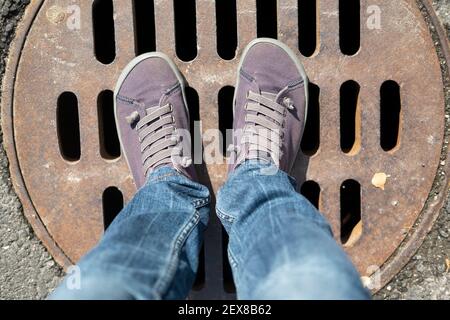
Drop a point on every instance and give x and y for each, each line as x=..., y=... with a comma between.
x=349, y=26
x=226, y=28
x=311, y=136
x=311, y=191
x=144, y=26
x=266, y=18
x=307, y=27
x=112, y=200
x=185, y=29
x=68, y=126
x=228, y=281
x=350, y=118
x=351, y=225
x=200, y=276
x=390, y=123
x=104, y=35
x=193, y=102
x=109, y=141
x=226, y=95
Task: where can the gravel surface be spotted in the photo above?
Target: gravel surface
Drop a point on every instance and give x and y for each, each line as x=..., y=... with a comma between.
x=442, y=8
x=27, y=271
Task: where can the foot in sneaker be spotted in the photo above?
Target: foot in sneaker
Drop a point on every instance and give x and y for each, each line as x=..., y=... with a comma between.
x=270, y=105
x=152, y=118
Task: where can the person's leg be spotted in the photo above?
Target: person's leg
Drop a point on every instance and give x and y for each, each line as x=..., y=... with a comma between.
x=280, y=246
x=150, y=251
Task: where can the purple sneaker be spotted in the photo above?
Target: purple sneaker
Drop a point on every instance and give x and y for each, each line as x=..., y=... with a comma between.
x=270, y=105
x=152, y=117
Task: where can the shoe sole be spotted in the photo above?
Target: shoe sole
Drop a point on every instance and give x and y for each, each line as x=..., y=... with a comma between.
x=130, y=66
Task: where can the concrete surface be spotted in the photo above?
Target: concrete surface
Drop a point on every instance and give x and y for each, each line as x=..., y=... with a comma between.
x=27, y=271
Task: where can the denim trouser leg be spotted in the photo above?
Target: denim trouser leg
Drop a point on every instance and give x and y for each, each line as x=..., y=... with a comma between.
x=150, y=251
x=280, y=246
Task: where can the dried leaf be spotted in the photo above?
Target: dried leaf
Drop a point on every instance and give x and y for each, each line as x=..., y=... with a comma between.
x=447, y=262
x=56, y=14
x=379, y=180
x=355, y=235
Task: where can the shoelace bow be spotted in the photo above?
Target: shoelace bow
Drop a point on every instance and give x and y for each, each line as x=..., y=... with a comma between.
x=158, y=138
x=264, y=120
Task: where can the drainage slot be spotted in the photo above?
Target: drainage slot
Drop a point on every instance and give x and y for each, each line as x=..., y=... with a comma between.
x=109, y=140
x=307, y=27
x=226, y=28
x=350, y=118
x=266, y=18
x=144, y=26
x=68, y=126
x=185, y=29
x=112, y=204
x=311, y=136
x=104, y=38
x=349, y=26
x=311, y=191
x=390, y=117
x=200, y=277
x=226, y=95
x=193, y=102
x=351, y=225
x=228, y=282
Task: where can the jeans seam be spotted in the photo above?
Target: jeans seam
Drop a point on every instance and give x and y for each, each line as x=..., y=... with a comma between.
x=232, y=259
x=162, y=177
x=225, y=216
x=199, y=203
x=163, y=283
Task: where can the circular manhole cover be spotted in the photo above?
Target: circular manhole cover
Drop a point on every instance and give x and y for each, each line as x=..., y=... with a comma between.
x=373, y=140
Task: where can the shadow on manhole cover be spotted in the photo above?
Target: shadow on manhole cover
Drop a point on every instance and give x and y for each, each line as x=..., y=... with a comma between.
x=377, y=111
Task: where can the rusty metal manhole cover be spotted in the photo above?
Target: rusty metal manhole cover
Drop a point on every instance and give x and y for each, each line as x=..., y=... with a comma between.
x=373, y=138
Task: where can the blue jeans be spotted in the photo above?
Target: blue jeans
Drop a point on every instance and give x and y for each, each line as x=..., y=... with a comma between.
x=280, y=246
